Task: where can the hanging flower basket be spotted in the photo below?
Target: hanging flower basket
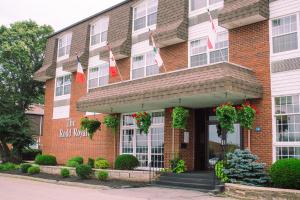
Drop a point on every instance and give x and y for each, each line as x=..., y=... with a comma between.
x=227, y=116
x=143, y=121
x=91, y=125
x=111, y=121
x=179, y=117
x=246, y=115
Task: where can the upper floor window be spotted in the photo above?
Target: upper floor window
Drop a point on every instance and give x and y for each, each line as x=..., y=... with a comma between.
x=64, y=45
x=201, y=55
x=98, y=76
x=99, y=32
x=284, y=34
x=145, y=14
x=201, y=4
x=144, y=65
x=63, y=85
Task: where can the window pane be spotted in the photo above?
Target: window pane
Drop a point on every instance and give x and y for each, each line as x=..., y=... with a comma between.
x=93, y=83
x=59, y=81
x=59, y=91
x=127, y=120
x=95, y=39
x=198, y=46
x=104, y=69
x=103, y=80
x=285, y=43
x=67, y=79
x=93, y=73
x=139, y=23
x=67, y=89
x=219, y=55
x=138, y=73
x=284, y=25
x=104, y=36
x=152, y=18
x=199, y=60
x=138, y=62
x=127, y=141
x=197, y=4
x=152, y=70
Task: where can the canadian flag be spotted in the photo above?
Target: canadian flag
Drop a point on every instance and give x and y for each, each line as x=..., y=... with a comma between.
x=212, y=36
x=79, y=75
x=112, y=64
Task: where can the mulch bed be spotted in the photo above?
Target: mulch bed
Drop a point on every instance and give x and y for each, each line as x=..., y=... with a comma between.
x=116, y=184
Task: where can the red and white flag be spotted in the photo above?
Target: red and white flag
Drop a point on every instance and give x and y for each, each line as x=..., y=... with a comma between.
x=212, y=36
x=79, y=75
x=156, y=52
x=112, y=64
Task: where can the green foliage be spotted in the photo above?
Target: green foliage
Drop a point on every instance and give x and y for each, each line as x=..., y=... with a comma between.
x=179, y=117
x=45, y=160
x=101, y=164
x=102, y=175
x=24, y=167
x=246, y=115
x=72, y=163
x=91, y=125
x=242, y=167
x=227, y=116
x=126, y=162
x=165, y=170
x=91, y=162
x=83, y=171
x=219, y=167
x=8, y=166
x=112, y=122
x=178, y=165
x=65, y=173
x=143, y=121
x=30, y=154
x=77, y=159
x=21, y=54
x=33, y=170
x=285, y=173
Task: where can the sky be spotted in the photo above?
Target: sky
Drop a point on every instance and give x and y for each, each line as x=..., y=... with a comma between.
x=57, y=13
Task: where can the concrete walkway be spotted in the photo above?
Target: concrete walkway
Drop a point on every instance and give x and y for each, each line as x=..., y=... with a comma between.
x=16, y=189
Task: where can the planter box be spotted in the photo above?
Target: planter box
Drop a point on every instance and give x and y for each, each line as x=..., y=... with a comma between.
x=251, y=192
x=127, y=175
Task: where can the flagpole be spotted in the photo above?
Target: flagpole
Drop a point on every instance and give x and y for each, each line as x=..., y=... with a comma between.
x=109, y=48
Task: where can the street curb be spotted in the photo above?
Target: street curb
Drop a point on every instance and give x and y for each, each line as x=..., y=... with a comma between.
x=73, y=184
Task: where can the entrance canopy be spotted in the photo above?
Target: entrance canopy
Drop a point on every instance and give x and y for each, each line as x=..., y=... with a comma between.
x=193, y=88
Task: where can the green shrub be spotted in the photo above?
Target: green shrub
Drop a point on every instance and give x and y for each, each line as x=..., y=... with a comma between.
x=102, y=175
x=45, y=160
x=101, y=164
x=126, y=162
x=30, y=154
x=72, y=163
x=34, y=170
x=65, y=173
x=8, y=166
x=24, y=167
x=178, y=165
x=78, y=159
x=91, y=162
x=83, y=171
x=219, y=167
x=285, y=173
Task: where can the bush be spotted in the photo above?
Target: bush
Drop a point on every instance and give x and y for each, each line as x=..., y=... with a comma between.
x=101, y=164
x=8, y=166
x=78, y=159
x=72, y=163
x=126, y=162
x=219, y=167
x=83, y=171
x=24, y=167
x=178, y=165
x=65, y=173
x=30, y=154
x=242, y=167
x=285, y=173
x=45, y=160
x=102, y=175
x=91, y=162
x=34, y=170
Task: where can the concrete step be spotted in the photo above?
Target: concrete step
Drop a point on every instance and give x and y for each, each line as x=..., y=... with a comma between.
x=187, y=179
x=186, y=184
x=203, y=175
x=182, y=188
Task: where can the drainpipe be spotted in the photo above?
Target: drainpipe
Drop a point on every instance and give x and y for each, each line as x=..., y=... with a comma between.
x=249, y=140
x=173, y=142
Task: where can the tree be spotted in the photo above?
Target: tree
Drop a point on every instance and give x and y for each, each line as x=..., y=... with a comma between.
x=22, y=47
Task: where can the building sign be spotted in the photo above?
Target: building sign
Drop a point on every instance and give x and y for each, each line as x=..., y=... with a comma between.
x=71, y=131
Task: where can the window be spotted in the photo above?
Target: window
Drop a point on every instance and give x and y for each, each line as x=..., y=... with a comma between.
x=147, y=148
x=144, y=65
x=145, y=14
x=64, y=45
x=284, y=34
x=287, y=114
x=200, y=54
x=63, y=85
x=99, y=32
x=198, y=4
x=98, y=76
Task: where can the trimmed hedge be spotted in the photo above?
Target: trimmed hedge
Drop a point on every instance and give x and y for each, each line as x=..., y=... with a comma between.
x=45, y=160
x=64, y=172
x=285, y=173
x=126, y=162
x=8, y=166
x=24, y=167
x=78, y=159
x=83, y=171
x=101, y=164
x=102, y=175
x=30, y=154
x=91, y=162
x=33, y=170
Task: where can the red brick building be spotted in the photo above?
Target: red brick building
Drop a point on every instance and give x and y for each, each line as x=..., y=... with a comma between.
x=193, y=76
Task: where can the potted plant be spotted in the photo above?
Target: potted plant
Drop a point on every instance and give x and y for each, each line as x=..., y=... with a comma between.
x=179, y=117
x=143, y=121
x=111, y=121
x=90, y=125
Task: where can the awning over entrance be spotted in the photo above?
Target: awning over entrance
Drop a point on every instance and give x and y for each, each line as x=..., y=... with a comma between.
x=194, y=88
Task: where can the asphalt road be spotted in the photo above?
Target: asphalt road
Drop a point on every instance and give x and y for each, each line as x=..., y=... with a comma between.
x=20, y=189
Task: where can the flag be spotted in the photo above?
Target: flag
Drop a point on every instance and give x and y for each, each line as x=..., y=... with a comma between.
x=79, y=75
x=212, y=36
x=112, y=64
x=156, y=51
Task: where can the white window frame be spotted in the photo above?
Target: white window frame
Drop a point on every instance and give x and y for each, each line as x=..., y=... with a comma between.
x=99, y=75
x=134, y=127
x=68, y=38
x=63, y=85
x=204, y=9
x=271, y=36
x=208, y=51
x=145, y=4
x=103, y=22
